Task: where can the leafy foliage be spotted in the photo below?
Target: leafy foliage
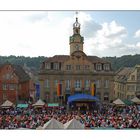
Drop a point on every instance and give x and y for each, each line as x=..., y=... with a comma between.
x=124, y=61
x=35, y=62
x=32, y=62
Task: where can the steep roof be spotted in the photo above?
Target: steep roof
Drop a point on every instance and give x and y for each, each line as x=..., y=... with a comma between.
x=20, y=72
x=62, y=58
x=6, y=63
x=95, y=59
x=57, y=58
x=122, y=74
x=125, y=71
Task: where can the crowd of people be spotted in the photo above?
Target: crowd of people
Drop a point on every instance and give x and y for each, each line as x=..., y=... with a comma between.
x=105, y=117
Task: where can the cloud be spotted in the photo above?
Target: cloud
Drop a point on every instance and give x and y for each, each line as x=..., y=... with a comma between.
x=37, y=33
x=106, y=39
x=89, y=26
x=39, y=16
x=137, y=34
x=41, y=33
x=32, y=34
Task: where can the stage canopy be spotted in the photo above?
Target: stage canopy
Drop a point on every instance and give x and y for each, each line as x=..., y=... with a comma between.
x=82, y=97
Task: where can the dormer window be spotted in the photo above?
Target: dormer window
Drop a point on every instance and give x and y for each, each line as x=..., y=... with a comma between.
x=106, y=67
x=47, y=66
x=56, y=66
x=98, y=67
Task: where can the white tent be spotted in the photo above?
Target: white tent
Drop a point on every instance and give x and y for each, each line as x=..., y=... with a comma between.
x=74, y=124
x=119, y=102
x=7, y=104
x=39, y=128
x=53, y=124
x=136, y=100
x=21, y=128
x=39, y=103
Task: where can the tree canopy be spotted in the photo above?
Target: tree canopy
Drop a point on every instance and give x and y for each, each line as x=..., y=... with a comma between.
x=35, y=62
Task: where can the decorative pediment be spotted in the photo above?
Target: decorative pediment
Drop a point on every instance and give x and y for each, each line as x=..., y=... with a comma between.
x=78, y=54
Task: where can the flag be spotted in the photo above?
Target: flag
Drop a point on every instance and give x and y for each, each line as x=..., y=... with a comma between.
x=59, y=89
x=93, y=89
x=37, y=90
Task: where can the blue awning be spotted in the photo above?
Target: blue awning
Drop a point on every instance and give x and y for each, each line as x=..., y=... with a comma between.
x=78, y=97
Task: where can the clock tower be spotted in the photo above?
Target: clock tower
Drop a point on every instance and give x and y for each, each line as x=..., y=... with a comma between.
x=76, y=40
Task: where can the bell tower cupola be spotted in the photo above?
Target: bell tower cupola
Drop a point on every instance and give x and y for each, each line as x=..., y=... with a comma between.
x=76, y=40
x=76, y=27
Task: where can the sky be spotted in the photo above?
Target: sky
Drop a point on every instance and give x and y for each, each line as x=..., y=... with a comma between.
x=46, y=33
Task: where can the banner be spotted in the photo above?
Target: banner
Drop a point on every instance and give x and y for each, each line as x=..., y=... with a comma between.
x=93, y=89
x=59, y=89
x=37, y=86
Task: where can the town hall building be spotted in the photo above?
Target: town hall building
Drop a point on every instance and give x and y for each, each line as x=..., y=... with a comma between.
x=76, y=72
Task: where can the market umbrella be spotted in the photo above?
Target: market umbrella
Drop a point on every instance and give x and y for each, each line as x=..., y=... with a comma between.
x=119, y=102
x=21, y=128
x=53, y=124
x=39, y=103
x=7, y=104
x=39, y=128
x=74, y=124
x=136, y=100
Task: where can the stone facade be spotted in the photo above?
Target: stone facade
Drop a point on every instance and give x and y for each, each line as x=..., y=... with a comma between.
x=76, y=72
x=127, y=83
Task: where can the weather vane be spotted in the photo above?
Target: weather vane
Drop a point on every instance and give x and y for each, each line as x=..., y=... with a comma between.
x=76, y=14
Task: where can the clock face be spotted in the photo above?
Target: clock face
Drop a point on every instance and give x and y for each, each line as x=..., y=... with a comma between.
x=76, y=24
x=77, y=47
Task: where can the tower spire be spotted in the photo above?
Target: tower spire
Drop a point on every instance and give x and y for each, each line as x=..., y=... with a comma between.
x=76, y=40
x=76, y=25
x=76, y=13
